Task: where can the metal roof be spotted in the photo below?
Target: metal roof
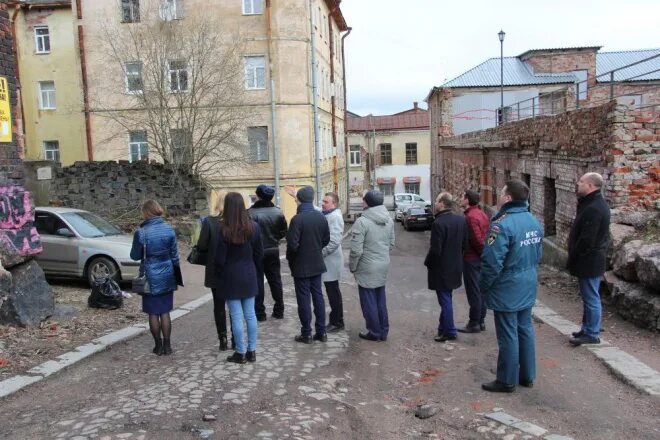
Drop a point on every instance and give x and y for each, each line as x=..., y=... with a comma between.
x=516, y=73
x=608, y=61
x=405, y=121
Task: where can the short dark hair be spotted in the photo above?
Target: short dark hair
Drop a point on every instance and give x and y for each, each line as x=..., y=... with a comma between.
x=517, y=189
x=334, y=197
x=472, y=196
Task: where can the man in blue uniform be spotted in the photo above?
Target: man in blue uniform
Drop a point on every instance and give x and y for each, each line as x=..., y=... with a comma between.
x=509, y=265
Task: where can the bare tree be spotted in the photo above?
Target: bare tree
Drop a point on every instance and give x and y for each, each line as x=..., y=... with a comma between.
x=183, y=89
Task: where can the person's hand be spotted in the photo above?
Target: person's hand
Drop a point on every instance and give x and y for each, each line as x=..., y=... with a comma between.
x=290, y=190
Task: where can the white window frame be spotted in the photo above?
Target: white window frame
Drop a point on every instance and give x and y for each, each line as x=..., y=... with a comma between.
x=171, y=10
x=50, y=103
x=250, y=6
x=262, y=151
x=138, y=145
x=133, y=8
x=252, y=73
x=52, y=153
x=127, y=77
x=178, y=72
x=412, y=188
x=40, y=41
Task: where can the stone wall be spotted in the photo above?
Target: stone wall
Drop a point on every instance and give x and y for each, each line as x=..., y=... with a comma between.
x=116, y=190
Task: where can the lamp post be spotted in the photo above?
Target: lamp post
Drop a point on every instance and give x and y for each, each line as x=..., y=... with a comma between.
x=501, y=35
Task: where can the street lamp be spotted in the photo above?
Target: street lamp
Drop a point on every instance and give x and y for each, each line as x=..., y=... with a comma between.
x=501, y=35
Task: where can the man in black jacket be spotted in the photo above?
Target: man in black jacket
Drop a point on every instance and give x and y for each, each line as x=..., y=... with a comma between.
x=587, y=248
x=444, y=261
x=273, y=228
x=307, y=236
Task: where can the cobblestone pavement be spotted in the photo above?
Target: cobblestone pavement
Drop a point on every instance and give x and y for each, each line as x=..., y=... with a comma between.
x=343, y=389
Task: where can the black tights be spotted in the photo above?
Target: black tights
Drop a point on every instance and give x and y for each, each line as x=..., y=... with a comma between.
x=160, y=323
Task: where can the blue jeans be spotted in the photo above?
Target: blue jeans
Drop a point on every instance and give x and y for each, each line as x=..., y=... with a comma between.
x=374, y=310
x=446, y=325
x=239, y=309
x=592, y=314
x=515, y=338
x=309, y=290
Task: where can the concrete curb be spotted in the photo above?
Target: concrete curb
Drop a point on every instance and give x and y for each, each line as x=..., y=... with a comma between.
x=623, y=365
x=63, y=361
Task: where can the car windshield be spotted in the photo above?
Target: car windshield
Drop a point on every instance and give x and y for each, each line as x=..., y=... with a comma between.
x=90, y=225
x=417, y=211
x=403, y=198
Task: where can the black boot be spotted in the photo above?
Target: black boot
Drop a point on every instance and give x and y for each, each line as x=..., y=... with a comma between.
x=251, y=356
x=167, y=348
x=158, y=348
x=237, y=358
x=223, y=341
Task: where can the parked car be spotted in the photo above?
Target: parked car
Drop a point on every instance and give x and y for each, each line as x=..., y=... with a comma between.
x=416, y=217
x=77, y=243
x=402, y=201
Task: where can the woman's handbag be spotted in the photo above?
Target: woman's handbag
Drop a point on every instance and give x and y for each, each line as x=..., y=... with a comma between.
x=197, y=257
x=141, y=283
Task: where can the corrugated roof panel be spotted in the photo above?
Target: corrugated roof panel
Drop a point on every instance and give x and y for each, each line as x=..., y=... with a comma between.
x=390, y=122
x=516, y=72
x=608, y=61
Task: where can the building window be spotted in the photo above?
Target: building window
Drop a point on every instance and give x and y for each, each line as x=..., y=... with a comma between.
x=42, y=39
x=171, y=10
x=181, y=140
x=138, y=148
x=253, y=7
x=178, y=74
x=130, y=11
x=52, y=150
x=258, y=143
x=411, y=154
x=412, y=188
x=386, y=188
x=581, y=83
x=47, y=95
x=355, y=155
x=255, y=72
x=386, y=154
x=133, y=77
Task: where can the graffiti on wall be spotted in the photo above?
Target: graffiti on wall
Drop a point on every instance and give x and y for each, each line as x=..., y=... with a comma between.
x=17, y=232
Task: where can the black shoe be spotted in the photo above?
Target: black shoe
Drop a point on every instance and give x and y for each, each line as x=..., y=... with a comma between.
x=321, y=338
x=261, y=318
x=237, y=358
x=279, y=315
x=223, y=342
x=577, y=334
x=251, y=356
x=469, y=329
x=304, y=339
x=167, y=348
x=445, y=337
x=526, y=383
x=233, y=343
x=368, y=337
x=583, y=340
x=158, y=348
x=498, y=387
x=332, y=328
x=482, y=326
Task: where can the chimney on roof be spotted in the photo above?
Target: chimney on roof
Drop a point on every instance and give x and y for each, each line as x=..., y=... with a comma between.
x=416, y=105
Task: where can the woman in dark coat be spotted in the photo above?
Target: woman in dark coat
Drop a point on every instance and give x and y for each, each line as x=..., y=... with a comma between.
x=208, y=238
x=159, y=240
x=238, y=254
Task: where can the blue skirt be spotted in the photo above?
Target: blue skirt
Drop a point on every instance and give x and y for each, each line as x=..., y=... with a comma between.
x=156, y=305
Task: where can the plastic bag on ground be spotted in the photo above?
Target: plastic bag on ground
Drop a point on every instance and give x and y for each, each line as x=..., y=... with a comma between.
x=106, y=294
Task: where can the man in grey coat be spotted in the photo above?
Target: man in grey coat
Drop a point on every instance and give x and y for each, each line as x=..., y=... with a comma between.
x=333, y=258
x=371, y=241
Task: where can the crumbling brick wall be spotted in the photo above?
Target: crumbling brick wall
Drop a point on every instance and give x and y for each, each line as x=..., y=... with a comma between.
x=551, y=153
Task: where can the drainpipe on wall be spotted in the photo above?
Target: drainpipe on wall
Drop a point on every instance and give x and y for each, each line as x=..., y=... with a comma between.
x=315, y=109
x=273, y=114
x=346, y=147
x=83, y=68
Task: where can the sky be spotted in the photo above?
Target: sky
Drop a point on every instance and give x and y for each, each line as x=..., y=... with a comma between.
x=399, y=49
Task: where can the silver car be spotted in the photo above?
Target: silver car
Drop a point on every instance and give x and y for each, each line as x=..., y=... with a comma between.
x=77, y=243
x=403, y=201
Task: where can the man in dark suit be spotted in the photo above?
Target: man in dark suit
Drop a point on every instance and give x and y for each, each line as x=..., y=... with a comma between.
x=587, y=248
x=449, y=238
x=308, y=234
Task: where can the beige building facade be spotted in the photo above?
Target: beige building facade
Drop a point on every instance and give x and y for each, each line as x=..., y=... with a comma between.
x=276, y=59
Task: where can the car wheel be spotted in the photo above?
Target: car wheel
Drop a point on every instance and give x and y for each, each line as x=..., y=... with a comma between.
x=101, y=267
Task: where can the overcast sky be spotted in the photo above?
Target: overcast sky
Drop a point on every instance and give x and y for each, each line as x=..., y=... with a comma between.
x=399, y=49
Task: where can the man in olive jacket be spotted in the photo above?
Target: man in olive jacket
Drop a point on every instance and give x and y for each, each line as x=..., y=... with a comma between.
x=372, y=238
x=307, y=236
x=587, y=248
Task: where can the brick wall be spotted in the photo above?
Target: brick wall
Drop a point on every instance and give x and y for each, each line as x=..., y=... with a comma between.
x=11, y=154
x=552, y=152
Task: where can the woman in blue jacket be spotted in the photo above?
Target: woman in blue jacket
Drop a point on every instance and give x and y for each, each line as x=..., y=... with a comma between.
x=159, y=264
x=238, y=255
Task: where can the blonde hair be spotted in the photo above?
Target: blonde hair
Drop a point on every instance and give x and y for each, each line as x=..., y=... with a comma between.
x=219, y=202
x=151, y=208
